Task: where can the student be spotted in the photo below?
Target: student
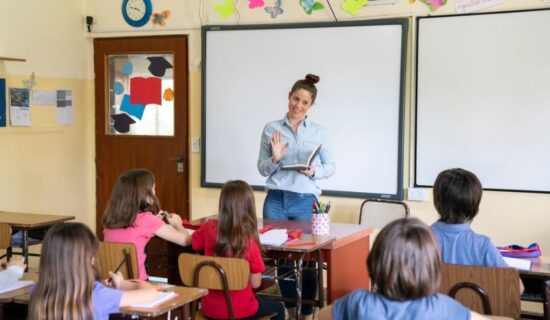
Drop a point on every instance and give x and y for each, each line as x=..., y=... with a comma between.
x=68, y=287
x=235, y=234
x=13, y=271
x=457, y=194
x=131, y=216
x=404, y=268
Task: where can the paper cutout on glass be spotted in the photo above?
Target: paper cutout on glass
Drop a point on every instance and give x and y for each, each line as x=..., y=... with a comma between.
x=168, y=94
x=275, y=10
x=2, y=103
x=160, y=18
x=434, y=4
x=226, y=9
x=158, y=66
x=135, y=110
x=122, y=122
x=145, y=90
x=311, y=5
x=253, y=4
x=118, y=88
x=128, y=68
x=353, y=6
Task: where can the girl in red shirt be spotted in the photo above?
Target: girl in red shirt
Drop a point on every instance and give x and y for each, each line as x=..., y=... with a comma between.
x=235, y=234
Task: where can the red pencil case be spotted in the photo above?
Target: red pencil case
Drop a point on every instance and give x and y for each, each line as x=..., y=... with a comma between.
x=295, y=234
x=187, y=225
x=516, y=251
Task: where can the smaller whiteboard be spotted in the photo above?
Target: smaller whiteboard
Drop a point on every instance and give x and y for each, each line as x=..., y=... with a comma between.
x=249, y=70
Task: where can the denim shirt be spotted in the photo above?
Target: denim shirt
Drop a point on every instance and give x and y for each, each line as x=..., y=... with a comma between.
x=300, y=145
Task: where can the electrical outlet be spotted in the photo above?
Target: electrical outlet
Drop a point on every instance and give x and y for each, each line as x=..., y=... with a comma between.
x=417, y=194
x=196, y=145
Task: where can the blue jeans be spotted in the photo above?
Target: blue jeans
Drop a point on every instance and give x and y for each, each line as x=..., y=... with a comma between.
x=267, y=306
x=287, y=205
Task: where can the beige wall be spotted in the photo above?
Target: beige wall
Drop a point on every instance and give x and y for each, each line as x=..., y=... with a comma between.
x=48, y=168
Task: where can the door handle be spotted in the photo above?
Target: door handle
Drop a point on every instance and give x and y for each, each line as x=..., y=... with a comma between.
x=180, y=162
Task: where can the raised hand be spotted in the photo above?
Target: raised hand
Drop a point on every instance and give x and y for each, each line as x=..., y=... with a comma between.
x=278, y=148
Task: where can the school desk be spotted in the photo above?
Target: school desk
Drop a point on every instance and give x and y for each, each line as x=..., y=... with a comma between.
x=12, y=296
x=534, y=281
x=30, y=221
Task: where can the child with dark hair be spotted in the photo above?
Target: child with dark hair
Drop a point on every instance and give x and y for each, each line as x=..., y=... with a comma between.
x=404, y=267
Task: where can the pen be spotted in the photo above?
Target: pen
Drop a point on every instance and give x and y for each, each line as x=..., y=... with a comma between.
x=126, y=253
x=298, y=244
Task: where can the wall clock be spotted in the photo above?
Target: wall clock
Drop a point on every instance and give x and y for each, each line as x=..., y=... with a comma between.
x=137, y=12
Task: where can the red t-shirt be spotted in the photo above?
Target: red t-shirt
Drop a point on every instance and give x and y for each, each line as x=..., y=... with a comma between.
x=244, y=301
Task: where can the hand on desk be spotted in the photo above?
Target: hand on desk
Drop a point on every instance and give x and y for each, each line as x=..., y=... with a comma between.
x=16, y=261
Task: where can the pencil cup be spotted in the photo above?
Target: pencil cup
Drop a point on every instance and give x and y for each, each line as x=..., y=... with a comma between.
x=320, y=223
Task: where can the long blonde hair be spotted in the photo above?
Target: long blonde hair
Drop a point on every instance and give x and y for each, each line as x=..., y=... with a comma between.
x=67, y=274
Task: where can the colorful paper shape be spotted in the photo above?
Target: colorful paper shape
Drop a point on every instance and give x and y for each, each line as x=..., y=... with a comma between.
x=353, y=6
x=226, y=9
x=145, y=90
x=118, y=87
x=19, y=97
x=128, y=68
x=253, y=4
x=434, y=4
x=158, y=66
x=160, y=18
x=311, y=5
x=122, y=122
x=168, y=94
x=135, y=110
x=2, y=103
x=275, y=10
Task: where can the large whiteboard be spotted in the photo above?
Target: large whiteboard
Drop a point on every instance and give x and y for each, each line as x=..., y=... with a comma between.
x=483, y=98
x=249, y=70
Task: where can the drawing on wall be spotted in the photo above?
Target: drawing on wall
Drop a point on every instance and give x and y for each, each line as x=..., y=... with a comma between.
x=434, y=4
x=353, y=6
x=159, y=19
x=20, y=113
x=311, y=5
x=276, y=10
x=226, y=9
x=253, y=4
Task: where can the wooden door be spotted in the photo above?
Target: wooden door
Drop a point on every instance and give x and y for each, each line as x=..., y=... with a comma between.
x=141, y=117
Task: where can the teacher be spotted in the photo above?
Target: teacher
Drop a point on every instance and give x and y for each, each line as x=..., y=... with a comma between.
x=290, y=193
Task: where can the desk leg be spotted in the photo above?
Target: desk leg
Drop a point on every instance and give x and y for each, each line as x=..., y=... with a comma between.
x=299, y=278
x=26, y=246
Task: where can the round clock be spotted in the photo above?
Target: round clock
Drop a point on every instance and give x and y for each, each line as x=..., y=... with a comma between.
x=137, y=12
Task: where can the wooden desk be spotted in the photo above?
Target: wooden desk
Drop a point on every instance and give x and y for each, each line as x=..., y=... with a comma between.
x=534, y=282
x=185, y=296
x=29, y=221
x=15, y=295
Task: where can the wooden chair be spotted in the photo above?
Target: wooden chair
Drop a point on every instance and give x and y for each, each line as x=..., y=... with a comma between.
x=213, y=273
x=377, y=213
x=497, y=287
x=5, y=238
x=111, y=255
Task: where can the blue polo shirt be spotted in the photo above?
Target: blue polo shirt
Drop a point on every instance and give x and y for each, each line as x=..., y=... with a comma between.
x=367, y=305
x=461, y=245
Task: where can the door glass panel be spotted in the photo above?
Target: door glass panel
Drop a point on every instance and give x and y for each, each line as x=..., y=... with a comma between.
x=141, y=95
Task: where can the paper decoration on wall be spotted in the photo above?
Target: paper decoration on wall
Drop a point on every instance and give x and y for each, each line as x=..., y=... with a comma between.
x=64, y=106
x=275, y=10
x=128, y=68
x=145, y=90
x=29, y=83
x=168, y=94
x=44, y=98
x=135, y=110
x=2, y=103
x=311, y=5
x=226, y=9
x=160, y=18
x=353, y=6
x=434, y=4
x=20, y=113
x=253, y=4
x=468, y=6
x=158, y=66
x=122, y=122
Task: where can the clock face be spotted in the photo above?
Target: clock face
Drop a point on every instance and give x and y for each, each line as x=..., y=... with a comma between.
x=136, y=12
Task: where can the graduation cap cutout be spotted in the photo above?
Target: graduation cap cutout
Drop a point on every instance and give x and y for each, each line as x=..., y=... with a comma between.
x=158, y=66
x=122, y=122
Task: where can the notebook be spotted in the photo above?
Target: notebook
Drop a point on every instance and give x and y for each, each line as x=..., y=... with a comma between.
x=520, y=264
x=17, y=285
x=274, y=237
x=162, y=296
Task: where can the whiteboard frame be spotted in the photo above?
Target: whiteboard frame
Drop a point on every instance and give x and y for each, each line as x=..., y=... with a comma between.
x=402, y=22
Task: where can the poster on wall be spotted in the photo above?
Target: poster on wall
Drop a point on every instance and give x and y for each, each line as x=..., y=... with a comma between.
x=64, y=107
x=2, y=103
x=20, y=111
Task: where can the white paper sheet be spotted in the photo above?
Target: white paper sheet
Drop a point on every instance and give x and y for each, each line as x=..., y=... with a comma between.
x=161, y=297
x=467, y=6
x=18, y=285
x=44, y=98
x=274, y=237
x=520, y=264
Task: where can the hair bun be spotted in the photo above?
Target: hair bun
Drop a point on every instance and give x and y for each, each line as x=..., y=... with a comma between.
x=313, y=78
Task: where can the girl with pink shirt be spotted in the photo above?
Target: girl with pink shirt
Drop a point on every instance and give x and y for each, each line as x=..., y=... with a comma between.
x=132, y=216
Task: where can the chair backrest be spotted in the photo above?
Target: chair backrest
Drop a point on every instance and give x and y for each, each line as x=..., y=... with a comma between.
x=377, y=213
x=547, y=299
x=500, y=284
x=204, y=269
x=5, y=236
x=112, y=254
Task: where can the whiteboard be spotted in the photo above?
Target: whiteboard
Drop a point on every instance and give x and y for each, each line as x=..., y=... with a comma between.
x=248, y=72
x=483, y=99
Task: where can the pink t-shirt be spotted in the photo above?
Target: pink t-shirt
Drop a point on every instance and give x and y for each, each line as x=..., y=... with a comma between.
x=144, y=228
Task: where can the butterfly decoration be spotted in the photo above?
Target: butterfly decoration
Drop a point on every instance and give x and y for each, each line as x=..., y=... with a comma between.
x=311, y=5
x=353, y=6
x=160, y=18
x=434, y=4
x=252, y=4
x=275, y=10
x=226, y=9
x=168, y=94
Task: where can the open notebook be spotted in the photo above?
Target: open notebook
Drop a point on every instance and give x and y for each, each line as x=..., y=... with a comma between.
x=17, y=285
x=162, y=296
